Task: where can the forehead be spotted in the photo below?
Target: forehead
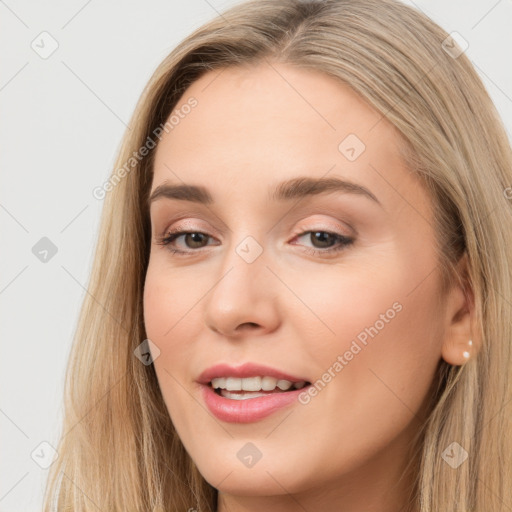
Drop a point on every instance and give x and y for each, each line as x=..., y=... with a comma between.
x=256, y=125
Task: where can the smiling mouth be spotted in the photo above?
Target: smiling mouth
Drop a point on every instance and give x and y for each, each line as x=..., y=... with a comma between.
x=253, y=387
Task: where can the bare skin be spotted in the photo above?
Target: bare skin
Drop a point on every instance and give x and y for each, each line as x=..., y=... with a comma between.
x=346, y=448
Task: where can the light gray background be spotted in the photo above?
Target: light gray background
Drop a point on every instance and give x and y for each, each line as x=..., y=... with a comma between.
x=62, y=119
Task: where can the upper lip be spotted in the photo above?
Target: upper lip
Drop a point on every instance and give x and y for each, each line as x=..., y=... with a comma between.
x=245, y=370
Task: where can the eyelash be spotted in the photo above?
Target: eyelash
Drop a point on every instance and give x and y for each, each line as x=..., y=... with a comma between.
x=343, y=242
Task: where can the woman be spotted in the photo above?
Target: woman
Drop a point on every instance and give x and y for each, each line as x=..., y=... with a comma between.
x=300, y=298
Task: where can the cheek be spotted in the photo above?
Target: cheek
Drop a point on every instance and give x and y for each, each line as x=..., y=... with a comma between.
x=171, y=323
x=389, y=339
x=374, y=363
x=168, y=299
x=376, y=336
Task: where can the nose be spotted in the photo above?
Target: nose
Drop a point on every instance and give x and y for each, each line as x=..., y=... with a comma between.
x=244, y=298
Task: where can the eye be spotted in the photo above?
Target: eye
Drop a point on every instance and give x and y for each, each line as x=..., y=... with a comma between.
x=324, y=242
x=193, y=239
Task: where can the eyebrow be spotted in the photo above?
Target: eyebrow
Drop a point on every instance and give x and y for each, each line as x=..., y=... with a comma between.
x=294, y=188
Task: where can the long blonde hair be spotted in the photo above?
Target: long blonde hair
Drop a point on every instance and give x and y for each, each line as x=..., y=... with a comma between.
x=118, y=449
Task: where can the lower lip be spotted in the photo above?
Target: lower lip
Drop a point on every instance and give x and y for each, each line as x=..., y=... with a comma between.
x=248, y=410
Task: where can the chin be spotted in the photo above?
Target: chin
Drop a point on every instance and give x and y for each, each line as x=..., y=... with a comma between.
x=248, y=483
x=265, y=478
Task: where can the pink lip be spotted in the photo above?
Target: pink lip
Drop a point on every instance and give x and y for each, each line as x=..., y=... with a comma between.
x=251, y=409
x=244, y=370
x=246, y=411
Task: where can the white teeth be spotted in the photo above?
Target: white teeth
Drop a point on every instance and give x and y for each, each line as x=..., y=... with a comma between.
x=233, y=384
x=251, y=384
x=268, y=383
x=219, y=383
x=240, y=396
x=254, y=384
x=284, y=384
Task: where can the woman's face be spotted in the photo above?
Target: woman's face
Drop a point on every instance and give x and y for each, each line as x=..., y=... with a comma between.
x=360, y=319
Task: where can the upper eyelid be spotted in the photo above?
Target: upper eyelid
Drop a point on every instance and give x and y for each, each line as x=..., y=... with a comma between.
x=315, y=217
x=180, y=232
x=307, y=209
x=299, y=231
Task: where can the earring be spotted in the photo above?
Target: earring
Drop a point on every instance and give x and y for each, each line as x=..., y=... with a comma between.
x=466, y=354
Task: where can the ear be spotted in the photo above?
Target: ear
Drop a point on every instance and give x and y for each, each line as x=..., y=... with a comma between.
x=461, y=339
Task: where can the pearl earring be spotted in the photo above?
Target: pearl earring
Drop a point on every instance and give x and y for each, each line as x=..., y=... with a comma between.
x=466, y=353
